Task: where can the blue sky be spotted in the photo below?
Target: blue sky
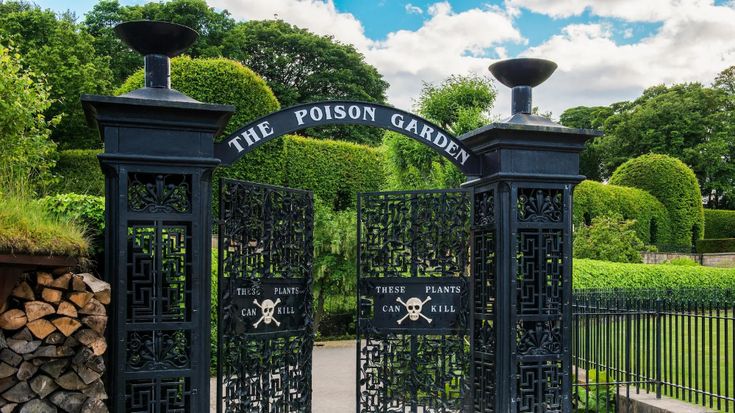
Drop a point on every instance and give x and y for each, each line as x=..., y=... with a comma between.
x=607, y=50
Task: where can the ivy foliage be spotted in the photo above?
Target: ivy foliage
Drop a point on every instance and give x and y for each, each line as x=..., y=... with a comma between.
x=56, y=47
x=719, y=223
x=649, y=216
x=26, y=150
x=675, y=185
x=608, y=238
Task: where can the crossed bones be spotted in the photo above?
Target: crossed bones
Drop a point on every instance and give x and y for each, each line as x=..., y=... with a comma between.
x=414, y=307
x=267, y=308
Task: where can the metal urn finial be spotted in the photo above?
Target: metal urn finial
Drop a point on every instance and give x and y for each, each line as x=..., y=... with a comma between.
x=157, y=41
x=521, y=75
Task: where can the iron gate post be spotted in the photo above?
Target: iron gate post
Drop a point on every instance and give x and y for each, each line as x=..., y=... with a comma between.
x=158, y=161
x=521, y=252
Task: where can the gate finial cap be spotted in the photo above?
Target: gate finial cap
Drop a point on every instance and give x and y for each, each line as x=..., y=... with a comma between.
x=522, y=75
x=156, y=37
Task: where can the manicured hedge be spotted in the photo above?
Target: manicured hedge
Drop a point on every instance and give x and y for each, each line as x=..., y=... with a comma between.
x=719, y=223
x=79, y=172
x=715, y=245
x=594, y=199
x=334, y=170
x=217, y=80
x=605, y=275
x=675, y=185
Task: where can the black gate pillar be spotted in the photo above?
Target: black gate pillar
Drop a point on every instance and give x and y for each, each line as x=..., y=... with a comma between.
x=521, y=252
x=158, y=161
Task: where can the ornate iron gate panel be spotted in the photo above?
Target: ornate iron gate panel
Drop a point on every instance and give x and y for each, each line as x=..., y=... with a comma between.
x=413, y=301
x=265, y=314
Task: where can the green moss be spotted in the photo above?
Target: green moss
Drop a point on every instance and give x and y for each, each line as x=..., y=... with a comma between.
x=719, y=223
x=26, y=227
x=606, y=275
x=594, y=199
x=675, y=185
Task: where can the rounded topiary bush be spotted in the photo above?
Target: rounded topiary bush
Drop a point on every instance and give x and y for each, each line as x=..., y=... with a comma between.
x=595, y=199
x=225, y=81
x=217, y=80
x=675, y=185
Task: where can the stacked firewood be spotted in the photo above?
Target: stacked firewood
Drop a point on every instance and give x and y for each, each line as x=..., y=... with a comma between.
x=51, y=344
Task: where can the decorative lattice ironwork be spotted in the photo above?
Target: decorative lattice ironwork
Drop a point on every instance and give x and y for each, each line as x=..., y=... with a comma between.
x=413, y=235
x=158, y=193
x=265, y=250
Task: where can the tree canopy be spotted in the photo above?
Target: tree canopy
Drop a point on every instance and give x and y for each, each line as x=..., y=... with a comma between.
x=56, y=48
x=459, y=104
x=304, y=67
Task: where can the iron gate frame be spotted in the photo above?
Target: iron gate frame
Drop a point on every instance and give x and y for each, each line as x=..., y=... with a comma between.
x=304, y=350
x=463, y=331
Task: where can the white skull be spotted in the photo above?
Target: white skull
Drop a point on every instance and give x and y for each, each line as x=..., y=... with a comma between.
x=414, y=305
x=267, y=307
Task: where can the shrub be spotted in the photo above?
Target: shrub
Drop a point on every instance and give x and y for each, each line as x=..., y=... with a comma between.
x=334, y=170
x=683, y=262
x=85, y=209
x=608, y=275
x=715, y=245
x=79, y=172
x=609, y=238
x=594, y=199
x=675, y=185
x=719, y=223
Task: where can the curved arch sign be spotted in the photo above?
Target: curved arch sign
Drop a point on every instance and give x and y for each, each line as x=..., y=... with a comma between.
x=325, y=113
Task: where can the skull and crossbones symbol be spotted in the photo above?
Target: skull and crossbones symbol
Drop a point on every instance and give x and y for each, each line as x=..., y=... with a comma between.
x=414, y=307
x=267, y=308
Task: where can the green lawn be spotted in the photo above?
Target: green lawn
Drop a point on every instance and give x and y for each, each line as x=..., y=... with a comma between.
x=697, y=352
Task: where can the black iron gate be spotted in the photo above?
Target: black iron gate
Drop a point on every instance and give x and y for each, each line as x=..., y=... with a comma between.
x=265, y=316
x=413, y=301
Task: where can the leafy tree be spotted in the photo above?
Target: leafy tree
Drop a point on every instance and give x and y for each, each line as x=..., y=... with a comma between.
x=56, y=48
x=458, y=104
x=303, y=67
x=335, y=246
x=609, y=238
x=105, y=15
x=686, y=121
x=586, y=117
x=27, y=151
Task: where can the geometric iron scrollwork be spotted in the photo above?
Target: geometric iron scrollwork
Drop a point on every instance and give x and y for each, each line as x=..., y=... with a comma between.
x=158, y=193
x=412, y=235
x=540, y=272
x=158, y=350
x=170, y=395
x=540, y=205
x=539, y=387
x=265, y=241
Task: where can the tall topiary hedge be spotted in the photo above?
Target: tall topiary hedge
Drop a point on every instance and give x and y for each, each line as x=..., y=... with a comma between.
x=79, y=172
x=595, y=199
x=719, y=223
x=675, y=185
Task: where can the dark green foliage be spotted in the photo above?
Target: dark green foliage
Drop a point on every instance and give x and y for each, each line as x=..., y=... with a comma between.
x=608, y=275
x=595, y=199
x=334, y=170
x=217, y=81
x=58, y=49
x=304, y=67
x=719, y=223
x=608, y=238
x=715, y=245
x=78, y=172
x=209, y=23
x=672, y=183
x=86, y=209
x=583, y=117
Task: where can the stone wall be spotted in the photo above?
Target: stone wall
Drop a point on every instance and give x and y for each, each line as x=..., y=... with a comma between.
x=723, y=260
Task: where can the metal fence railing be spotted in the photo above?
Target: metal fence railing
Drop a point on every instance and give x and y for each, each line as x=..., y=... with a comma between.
x=675, y=343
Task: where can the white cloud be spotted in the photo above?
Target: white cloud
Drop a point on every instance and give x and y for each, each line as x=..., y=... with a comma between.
x=411, y=9
x=631, y=10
